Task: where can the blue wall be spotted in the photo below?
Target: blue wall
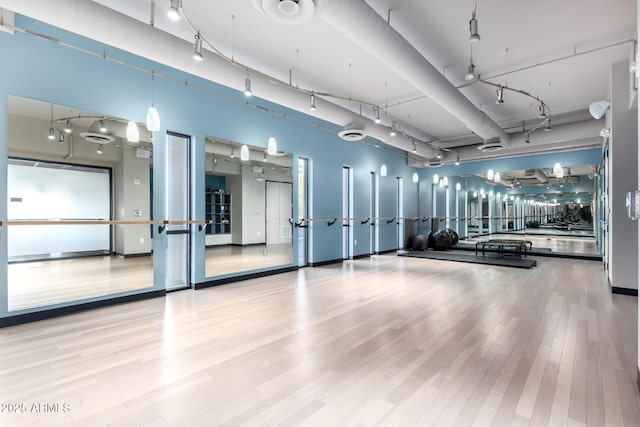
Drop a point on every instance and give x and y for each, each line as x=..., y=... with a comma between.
x=49, y=72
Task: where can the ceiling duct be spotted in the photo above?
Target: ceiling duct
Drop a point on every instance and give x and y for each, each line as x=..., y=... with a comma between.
x=537, y=174
x=362, y=25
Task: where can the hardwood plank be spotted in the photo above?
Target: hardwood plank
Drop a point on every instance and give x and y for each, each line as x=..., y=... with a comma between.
x=385, y=341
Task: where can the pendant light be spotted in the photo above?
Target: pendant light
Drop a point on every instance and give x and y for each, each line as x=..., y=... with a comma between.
x=415, y=178
x=61, y=139
x=490, y=175
x=383, y=170
x=377, y=120
x=499, y=95
x=153, y=118
x=436, y=178
x=233, y=153
x=247, y=87
x=52, y=131
x=272, y=146
x=244, y=153
x=103, y=126
x=133, y=134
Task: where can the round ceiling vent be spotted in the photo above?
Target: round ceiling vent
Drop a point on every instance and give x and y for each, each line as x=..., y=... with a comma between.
x=433, y=163
x=488, y=147
x=97, y=138
x=289, y=11
x=352, y=134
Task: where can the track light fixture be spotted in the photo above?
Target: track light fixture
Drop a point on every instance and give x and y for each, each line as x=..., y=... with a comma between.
x=471, y=71
x=547, y=128
x=99, y=150
x=197, y=48
x=393, y=129
x=377, y=119
x=67, y=127
x=473, y=25
x=415, y=147
x=541, y=111
x=457, y=159
x=247, y=87
x=439, y=155
x=52, y=133
x=473, y=30
x=173, y=13
x=312, y=102
x=233, y=153
x=103, y=126
x=61, y=139
x=499, y=95
x=264, y=158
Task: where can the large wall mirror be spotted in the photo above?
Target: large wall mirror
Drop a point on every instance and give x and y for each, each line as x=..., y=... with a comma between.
x=249, y=202
x=555, y=209
x=78, y=168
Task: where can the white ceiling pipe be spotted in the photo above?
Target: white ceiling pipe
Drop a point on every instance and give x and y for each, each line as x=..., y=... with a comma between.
x=362, y=25
x=107, y=26
x=540, y=176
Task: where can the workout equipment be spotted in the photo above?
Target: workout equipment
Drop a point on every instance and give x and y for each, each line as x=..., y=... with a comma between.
x=419, y=242
x=454, y=236
x=440, y=240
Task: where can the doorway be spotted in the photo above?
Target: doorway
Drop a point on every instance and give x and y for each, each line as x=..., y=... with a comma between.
x=279, y=211
x=177, y=208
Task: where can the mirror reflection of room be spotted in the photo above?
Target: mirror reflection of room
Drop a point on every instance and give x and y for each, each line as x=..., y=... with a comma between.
x=66, y=165
x=248, y=201
x=553, y=207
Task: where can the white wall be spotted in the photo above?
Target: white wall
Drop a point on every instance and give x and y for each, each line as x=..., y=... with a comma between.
x=623, y=173
x=44, y=193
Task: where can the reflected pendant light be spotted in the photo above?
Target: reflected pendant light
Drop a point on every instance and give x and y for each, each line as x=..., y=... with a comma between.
x=496, y=177
x=383, y=170
x=153, y=118
x=458, y=187
x=436, y=178
x=490, y=174
x=415, y=178
x=244, y=153
x=272, y=147
x=445, y=180
x=133, y=134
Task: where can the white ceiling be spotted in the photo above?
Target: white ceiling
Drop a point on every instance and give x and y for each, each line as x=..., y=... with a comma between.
x=515, y=35
x=558, y=50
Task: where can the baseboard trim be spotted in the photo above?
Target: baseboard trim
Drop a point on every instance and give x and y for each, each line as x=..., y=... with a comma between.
x=361, y=256
x=242, y=277
x=638, y=378
x=624, y=291
x=64, y=311
x=321, y=263
x=388, y=251
x=140, y=255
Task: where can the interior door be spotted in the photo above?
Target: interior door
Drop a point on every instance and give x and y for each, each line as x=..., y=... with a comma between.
x=279, y=211
x=177, y=187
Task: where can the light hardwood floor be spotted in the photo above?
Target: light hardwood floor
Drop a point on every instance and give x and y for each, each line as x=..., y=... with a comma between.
x=382, y=341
